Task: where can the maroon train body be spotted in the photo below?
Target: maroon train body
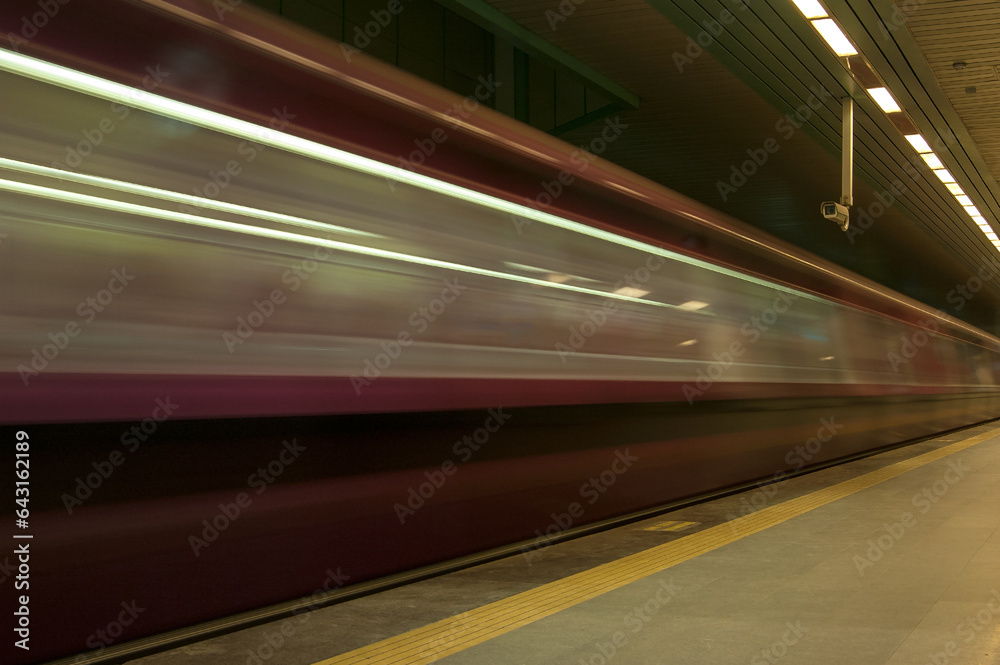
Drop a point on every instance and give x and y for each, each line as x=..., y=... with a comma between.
x=251, y=420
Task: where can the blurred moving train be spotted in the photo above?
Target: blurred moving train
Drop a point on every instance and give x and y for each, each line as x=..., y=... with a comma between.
x=259, y=353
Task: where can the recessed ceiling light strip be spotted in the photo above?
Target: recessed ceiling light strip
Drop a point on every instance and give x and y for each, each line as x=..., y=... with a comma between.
x=821, y=21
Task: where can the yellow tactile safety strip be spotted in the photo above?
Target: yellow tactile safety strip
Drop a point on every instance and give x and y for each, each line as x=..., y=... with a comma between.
x=448, y=636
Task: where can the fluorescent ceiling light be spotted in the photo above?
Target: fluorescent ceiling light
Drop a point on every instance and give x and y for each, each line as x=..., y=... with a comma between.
x=688, y=342
x=965, y=200
x=979, y=219
x=932, y=160
x=693, y=305
x=945, y=175
x=973, y=211
x=954, y=188
x=918, y=143
x=811, y=8
x=884, y=99
x=991, y=235
x=839, y=42
x=825, y=358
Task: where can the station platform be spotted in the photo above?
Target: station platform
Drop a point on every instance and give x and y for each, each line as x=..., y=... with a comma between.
x=893, y=558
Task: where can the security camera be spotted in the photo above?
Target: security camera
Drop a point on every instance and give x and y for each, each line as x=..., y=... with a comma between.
x=837, y=213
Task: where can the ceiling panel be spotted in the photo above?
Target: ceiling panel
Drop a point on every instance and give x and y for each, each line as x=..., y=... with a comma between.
x=966, y=31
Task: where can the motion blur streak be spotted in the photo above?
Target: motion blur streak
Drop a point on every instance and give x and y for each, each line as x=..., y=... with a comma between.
x=97, y=87
x=175, y=197
x=159, y=213
x=738, y=349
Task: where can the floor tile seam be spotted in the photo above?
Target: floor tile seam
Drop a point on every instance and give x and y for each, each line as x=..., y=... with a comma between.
x=902, y=641
x=968, y=563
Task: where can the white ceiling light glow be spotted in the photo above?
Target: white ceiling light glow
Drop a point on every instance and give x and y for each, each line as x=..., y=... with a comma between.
x=838, y=41
x=884, y=99
x=918, y=142
x=811, y=8
x=932, y=160
x=945, y=175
